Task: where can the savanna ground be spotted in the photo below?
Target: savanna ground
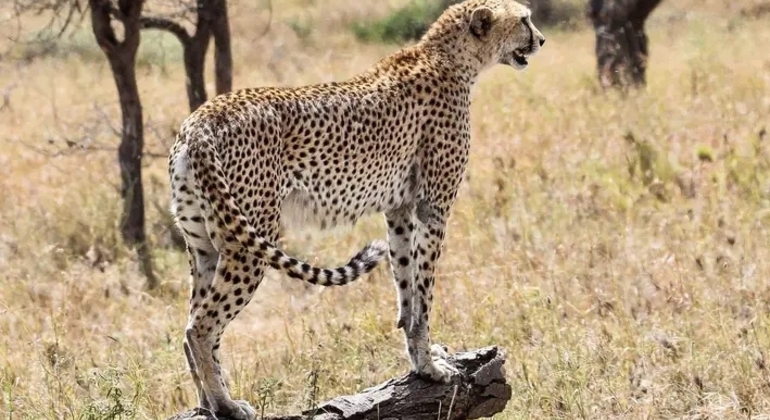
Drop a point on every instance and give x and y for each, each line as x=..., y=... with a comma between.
x=617, y=248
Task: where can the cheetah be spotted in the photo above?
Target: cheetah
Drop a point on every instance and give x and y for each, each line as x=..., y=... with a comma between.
x=393, y=140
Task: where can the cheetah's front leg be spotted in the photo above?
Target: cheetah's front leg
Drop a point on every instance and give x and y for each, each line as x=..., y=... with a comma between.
x=429, y=360
x=401, y=225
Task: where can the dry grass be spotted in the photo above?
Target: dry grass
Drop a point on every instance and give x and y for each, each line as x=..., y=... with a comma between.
x=616, y=248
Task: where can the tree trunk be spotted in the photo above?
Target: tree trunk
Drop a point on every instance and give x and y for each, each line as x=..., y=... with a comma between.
x=130, y=154
x=194, y=65
x=621, y=43
x=130, y=149
x=223, y=55
x=122, y=58
x=481, y=391
x=211, y=20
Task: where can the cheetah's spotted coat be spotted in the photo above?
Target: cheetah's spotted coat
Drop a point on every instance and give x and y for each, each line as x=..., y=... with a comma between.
x=393, y=139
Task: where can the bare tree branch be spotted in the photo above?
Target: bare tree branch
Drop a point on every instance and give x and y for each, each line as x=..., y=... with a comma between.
x=106, y=120
x=168, y=25
x=64, y=14
x=7, y=95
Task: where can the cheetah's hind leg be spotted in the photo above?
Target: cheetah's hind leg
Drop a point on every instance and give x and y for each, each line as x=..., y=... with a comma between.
x=235, y=280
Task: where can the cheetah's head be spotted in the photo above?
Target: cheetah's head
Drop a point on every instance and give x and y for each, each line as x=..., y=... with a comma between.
x=490, y=31
x=506, y=32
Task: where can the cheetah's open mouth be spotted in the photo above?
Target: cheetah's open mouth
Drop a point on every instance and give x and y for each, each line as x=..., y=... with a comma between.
x=520, y=58
x=517, y=58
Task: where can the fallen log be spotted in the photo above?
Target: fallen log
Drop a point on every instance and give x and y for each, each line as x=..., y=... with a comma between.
x=479, y=391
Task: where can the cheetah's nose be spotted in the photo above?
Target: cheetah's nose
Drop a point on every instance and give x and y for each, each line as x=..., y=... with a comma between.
x=542, y=41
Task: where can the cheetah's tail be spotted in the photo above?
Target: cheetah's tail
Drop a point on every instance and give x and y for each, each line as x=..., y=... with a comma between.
x=208, y=175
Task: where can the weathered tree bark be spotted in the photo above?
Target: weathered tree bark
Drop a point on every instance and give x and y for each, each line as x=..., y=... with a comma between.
x=121, y=56
x=480, y=392
x=621, y=43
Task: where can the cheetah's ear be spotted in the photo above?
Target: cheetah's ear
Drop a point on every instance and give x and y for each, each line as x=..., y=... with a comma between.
x=481, y=21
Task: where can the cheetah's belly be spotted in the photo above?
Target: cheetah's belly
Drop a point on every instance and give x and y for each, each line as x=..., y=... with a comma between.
x=325, y=205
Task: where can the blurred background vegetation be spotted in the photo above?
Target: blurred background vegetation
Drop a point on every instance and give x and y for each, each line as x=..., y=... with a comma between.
x=410, y=21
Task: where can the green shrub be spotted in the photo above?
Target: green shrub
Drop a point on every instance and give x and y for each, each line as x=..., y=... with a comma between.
x=405, y=24
x=410, y=22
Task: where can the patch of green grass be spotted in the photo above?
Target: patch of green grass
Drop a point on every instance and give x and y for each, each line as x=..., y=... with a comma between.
x=407, y=23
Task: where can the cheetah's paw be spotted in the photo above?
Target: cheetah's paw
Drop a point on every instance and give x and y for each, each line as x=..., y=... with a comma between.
x=439, y=351
x=239, y=410
x=438, y=370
